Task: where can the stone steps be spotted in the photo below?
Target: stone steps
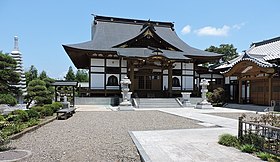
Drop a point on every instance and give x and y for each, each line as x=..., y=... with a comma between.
x=158, y=103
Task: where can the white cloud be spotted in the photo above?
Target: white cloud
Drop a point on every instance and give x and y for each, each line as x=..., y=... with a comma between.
x=238, y=26
x=186, y=29
x=213, y=31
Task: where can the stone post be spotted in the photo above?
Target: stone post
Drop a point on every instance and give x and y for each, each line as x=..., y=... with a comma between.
x=186, y=99
x=125, y=105
x=204, y=104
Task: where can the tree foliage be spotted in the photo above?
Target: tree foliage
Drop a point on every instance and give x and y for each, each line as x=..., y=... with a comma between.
x=31, y=74
x=36, y=91
x=70, y=76
x=43, y=75
x=81, y=76
x=228, y=50
x=8, y=78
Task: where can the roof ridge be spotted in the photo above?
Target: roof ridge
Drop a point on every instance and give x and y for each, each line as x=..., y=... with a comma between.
x=256, y=44
x=132, y=21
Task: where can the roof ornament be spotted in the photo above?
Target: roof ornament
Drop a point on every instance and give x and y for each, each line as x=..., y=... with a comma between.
x=148, y=24
x=16, y=43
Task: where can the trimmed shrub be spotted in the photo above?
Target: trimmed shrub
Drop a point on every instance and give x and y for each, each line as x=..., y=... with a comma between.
x=39, y=109
x=4, y=140
x=217, y=97
x=263, y=155
x=2, y=118
x=21, y=115
x=228, y=140
x=13, y=129
x=248, y=148
x=32, y=122
x=56, y=106
x=8, y=99
x=47, y=110
x=33, y=114
x=11, y=118
x=252, y=139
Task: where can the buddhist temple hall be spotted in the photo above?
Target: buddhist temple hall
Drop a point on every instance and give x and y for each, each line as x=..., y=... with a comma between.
x=253, y=77
x=149, y=53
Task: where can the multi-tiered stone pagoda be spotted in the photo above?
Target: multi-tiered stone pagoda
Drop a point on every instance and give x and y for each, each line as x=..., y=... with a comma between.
x=16, y=54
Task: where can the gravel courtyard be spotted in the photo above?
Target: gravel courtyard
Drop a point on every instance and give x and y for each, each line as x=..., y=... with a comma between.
x=96, y=136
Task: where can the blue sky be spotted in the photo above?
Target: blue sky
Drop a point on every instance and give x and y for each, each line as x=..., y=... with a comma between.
x=44, y=25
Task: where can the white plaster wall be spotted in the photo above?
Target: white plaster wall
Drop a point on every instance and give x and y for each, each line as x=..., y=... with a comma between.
x=217, y=76
x=187, y=65
x=97, y=81
x=124, y=63
x=157, y=70
x=187, y=72
x=233, y=78
x=122, y=76
x=97, y=62
x=165, y=72
x=177, y=65
x=112, y=63
x=165, y=82
x=187, y=83
x=226, y=80
x=97, y=69
x=205, y=76
x=124, y=70
x=176, y=88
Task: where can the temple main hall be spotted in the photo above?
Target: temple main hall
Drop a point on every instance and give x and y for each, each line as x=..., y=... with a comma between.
x=150, y=53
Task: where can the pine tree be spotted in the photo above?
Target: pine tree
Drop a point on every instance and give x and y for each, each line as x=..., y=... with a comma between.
x=70, y=76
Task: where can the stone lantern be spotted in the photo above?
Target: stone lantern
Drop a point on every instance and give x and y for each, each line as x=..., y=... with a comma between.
x=204, y=104
x=125, y=105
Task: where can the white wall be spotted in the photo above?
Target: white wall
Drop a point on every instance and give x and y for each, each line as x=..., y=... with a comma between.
x=112, y=63
x=97, y=81
x=187, y=72
x=165, y=82
x=177, y=65
x=187, y=65
x=97, y=69
x=124, y=63
x=97, y=62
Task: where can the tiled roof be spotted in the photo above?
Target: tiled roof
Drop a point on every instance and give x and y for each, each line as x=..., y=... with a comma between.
x=260, y=53
x=247, y=57
x=109, y=32
x=270, y=49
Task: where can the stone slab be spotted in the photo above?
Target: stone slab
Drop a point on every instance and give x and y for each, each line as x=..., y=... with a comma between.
x=196, y=145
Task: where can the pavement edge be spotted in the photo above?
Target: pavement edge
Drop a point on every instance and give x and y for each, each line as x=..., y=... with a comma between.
x=143, y=155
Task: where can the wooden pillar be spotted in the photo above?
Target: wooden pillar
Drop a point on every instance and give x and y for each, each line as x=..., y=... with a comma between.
x=73, y=91
x=55, y=93
x=170, y=80
x=132, y=77
x=269, y=89
x=239, y=90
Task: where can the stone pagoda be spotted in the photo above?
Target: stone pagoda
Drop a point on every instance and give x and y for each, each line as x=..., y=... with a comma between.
x=16, y=54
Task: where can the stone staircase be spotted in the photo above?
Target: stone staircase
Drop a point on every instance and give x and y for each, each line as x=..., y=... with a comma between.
x=158, y=103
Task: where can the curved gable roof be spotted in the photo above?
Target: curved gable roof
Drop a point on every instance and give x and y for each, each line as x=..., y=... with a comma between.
x=109, y=32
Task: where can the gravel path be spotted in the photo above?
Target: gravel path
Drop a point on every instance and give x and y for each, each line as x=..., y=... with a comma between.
x=96, y=136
